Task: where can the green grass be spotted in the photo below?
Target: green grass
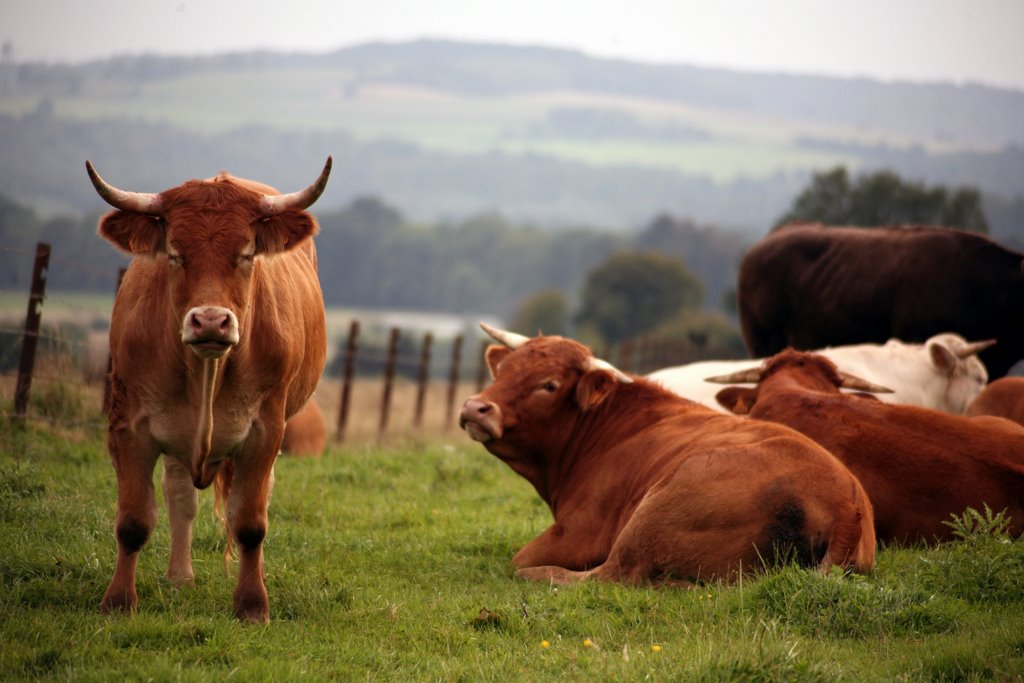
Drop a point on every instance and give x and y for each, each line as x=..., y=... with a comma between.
x=393, y=564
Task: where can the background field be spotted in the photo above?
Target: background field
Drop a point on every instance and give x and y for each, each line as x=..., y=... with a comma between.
x=393, y=564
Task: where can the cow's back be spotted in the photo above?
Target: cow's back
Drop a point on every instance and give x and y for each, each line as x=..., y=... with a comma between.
x=1002, y=398
x=779, y=487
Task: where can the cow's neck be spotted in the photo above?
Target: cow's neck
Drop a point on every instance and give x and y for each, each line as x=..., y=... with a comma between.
x=596, y=437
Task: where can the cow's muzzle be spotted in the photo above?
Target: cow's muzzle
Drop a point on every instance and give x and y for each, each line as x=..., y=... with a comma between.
x=210, y=331
x=481, y=420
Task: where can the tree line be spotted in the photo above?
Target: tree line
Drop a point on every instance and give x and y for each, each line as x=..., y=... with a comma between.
x=671, y=280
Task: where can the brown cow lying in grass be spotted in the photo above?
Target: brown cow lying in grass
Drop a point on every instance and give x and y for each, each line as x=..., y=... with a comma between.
x=305, y=433
x=647, y=486
x=919, y=466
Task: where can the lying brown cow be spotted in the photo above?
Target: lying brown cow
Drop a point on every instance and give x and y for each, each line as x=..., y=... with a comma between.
x=647, y=486
x=305, y=433
x=919, y=466
x=1002, y=398
x=216, y=338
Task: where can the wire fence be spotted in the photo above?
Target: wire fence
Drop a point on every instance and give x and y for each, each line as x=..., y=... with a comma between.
x=54, y=365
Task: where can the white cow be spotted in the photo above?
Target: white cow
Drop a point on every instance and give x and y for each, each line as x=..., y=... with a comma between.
x=943, y=373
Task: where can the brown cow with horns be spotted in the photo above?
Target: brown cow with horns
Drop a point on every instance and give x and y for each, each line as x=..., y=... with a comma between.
x=647, y=486
x=216, y=338
x=919, y=466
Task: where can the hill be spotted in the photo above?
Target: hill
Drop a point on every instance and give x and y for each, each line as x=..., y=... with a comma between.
x=445, y=130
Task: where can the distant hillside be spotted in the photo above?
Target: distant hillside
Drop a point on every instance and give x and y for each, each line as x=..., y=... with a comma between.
x=970, y=114
x=445, y=130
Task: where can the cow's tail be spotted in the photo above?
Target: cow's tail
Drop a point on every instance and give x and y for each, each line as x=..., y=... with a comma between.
x=852, y=544
x=221, y=490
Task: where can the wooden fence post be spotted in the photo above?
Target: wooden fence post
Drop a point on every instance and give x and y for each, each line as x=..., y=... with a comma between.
x=31, y=336
x=346, y=380
x=110, y=359
x=424, y=377
x=389, y=377
x=453, y=382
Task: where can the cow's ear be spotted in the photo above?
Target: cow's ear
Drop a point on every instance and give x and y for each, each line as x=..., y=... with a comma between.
x=494, y=355
x=738, y=400
x=284, y=231
x=593, y=388
x=942, y=357
x=133, y=233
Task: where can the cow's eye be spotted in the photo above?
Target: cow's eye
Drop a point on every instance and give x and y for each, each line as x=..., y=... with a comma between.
x=550, y=387
x=174, y=261
x=245, y=259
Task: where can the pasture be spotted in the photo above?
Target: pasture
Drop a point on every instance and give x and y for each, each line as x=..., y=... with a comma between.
x=392, y=563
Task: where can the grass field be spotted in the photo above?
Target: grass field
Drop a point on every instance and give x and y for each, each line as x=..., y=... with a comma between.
x=392, y=563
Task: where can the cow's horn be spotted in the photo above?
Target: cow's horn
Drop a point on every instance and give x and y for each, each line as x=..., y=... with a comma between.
x=974, y=348
x=853, y=382
x=748, y=376
x=274, y=204
x=509, y=339
x=138, y=202
x=598, y=364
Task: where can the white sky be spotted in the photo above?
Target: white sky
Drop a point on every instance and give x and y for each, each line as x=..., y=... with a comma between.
x=961, y=41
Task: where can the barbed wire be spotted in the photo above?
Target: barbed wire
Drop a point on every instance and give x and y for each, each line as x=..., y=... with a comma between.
x=77, y=265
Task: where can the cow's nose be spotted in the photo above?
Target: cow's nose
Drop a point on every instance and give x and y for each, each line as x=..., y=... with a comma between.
x=474, y=410
x=210, y=322
x=210, y=330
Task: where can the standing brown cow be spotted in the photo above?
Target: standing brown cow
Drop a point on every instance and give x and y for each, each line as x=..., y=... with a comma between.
x=919, y=466
x=216, y=338
x=647, y=486
x=809, y=286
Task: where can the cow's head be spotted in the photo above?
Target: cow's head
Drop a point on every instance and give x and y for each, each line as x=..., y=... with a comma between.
x=784, y=371
x=541, y=387
x=961, y=374
x=210, y=235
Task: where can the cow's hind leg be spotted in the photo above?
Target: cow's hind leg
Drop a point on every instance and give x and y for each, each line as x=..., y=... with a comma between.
x=552, y=574
x=136, y=515
x=247, y=523
x=182, y=504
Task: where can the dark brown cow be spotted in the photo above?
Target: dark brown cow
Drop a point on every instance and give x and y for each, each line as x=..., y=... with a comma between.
x=647, y=486
x=808, y=286
x=305, y=433
x=216, y=338
x=919, y=466
x=1002, y=398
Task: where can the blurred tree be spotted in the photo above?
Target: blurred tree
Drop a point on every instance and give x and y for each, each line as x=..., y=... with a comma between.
x=544, y=311
x=633, y=292
x=705, y=334
x=883, y=198
x=825, y=200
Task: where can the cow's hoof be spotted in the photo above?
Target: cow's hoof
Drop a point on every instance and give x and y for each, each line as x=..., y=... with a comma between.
x=119, y=602
x=182, y=580
x=252, y=611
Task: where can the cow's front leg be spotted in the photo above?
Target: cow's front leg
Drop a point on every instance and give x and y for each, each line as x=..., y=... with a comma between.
x=182, y=504
x=247, y=523
x=560, y=546
x=136, y=514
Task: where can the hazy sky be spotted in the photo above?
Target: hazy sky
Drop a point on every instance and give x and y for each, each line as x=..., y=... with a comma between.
x=918, y=40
